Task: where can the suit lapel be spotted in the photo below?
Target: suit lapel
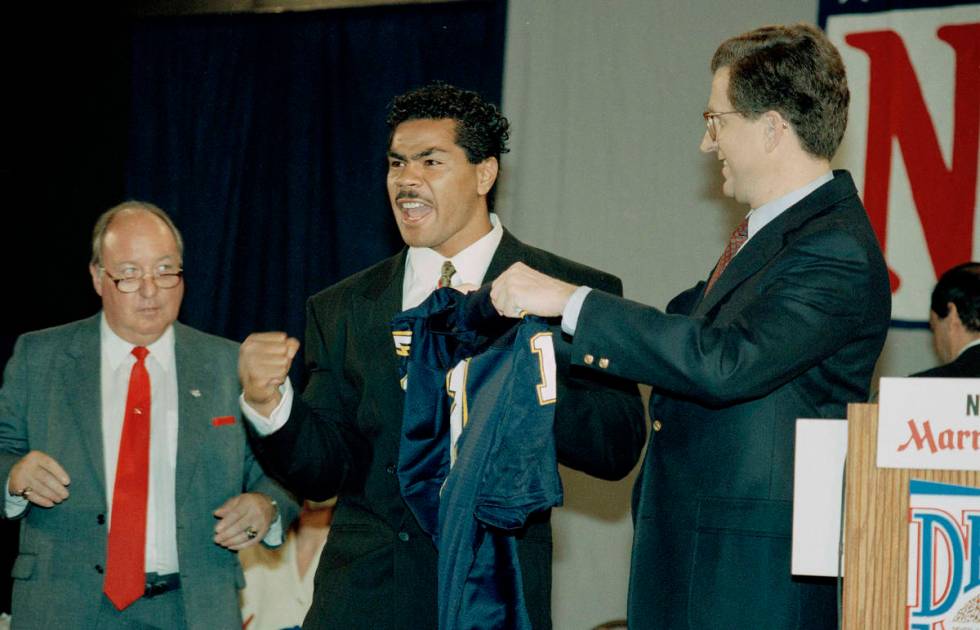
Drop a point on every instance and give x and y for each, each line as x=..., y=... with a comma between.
x=82, y=378
x=770, y=239
x=193, y=398
x=508, y=252
x=372, y=310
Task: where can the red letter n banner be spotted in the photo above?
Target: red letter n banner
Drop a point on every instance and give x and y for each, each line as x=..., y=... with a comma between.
x=913, y=134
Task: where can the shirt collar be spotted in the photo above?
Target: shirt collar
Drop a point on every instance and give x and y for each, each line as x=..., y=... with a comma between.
x=116, y=350
x=424, y=265
x=975, y=342
x=761, y=216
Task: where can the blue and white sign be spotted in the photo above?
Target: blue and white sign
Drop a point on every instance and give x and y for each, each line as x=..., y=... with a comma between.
x=944, y=557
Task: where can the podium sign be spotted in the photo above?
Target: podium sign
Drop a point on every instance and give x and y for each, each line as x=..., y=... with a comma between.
x=929, y=423
x=944, y=545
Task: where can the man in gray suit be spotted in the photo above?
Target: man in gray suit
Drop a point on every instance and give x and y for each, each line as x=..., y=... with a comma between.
x=131, y=511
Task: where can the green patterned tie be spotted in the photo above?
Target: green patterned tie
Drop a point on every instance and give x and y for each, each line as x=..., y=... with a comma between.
x=446, y=276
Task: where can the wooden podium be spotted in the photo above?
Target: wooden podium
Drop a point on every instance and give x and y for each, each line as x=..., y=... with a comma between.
x=876, y=532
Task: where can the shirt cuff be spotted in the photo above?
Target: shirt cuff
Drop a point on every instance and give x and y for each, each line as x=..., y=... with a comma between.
x=267, y=426
x=273, y=537
x=13, y=505
x=569, y=316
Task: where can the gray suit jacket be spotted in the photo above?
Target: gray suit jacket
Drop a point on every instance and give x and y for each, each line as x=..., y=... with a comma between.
x=50, y=401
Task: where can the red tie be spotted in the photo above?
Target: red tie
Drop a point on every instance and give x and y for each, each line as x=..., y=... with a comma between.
x=125, y=576
x=735, y=242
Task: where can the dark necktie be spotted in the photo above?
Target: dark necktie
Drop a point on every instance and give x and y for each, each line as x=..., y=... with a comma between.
x=125, y=575
x=446, y=275
x=735, y=242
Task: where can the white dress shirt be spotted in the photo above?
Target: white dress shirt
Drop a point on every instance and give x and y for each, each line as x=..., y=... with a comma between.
x=423, y=267
x=758, y=219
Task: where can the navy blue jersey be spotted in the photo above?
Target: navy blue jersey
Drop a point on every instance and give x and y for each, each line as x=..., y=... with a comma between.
x=477, y=453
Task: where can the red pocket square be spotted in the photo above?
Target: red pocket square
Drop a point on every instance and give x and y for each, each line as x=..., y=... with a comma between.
x=222, y=420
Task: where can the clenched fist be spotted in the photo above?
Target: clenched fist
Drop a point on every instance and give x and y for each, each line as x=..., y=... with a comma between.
x=263, y=364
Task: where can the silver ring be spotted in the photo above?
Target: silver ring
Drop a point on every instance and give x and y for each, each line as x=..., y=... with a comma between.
x=251, y=532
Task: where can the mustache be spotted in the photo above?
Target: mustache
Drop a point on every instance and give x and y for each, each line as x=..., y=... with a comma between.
x=407, y=194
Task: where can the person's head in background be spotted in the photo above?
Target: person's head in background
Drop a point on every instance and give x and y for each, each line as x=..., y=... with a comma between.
x=954, y=315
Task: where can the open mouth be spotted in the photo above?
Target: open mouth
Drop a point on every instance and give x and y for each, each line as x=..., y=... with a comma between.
x=414, y=210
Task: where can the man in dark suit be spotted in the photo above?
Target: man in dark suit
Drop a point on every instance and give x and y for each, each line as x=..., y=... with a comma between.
x=122, y=450
x=789, y=324
x=342, y=435
x=954, y=318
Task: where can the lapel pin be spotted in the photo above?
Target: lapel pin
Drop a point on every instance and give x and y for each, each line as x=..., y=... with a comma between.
x=196, y=393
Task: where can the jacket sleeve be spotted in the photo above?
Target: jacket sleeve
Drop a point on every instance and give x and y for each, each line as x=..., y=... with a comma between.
x=812, y=302
x=316, y=452
x=14, y=442
x=600, y=426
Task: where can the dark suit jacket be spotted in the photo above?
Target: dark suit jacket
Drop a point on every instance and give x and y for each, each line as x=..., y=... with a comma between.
x=967, y=365
x=378, y=569
x=50, y=402
x=791, y=329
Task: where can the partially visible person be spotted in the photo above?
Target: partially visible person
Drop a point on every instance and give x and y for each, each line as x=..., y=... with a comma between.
x=279, y=582
x=954, y=318
x=122, y=451
x=789, y=324
x=342, y=435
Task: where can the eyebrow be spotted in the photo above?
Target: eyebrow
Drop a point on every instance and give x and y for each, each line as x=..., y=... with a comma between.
x=167, y=258
x=417, y=156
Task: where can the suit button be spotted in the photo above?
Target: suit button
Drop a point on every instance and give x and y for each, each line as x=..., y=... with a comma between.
x=657, y=425
x=603, y=363
x=100, y=519
x=390, y=469
x=403, y=536
x=588, y=359
x=98, y=569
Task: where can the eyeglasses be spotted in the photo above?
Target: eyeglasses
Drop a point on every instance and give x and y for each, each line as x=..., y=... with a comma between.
x=131, y=283
x=709, y=121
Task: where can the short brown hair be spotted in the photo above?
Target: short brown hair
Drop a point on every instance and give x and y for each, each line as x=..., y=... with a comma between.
x=794, y=70
x=102, y=226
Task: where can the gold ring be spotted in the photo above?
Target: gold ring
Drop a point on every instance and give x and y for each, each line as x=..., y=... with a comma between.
x=251, y=532
x=25, y=493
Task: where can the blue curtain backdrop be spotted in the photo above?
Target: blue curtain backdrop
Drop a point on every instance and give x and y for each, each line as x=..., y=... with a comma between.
x=264, y=136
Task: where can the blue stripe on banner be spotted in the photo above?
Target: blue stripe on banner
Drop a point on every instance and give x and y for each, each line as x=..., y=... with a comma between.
x=909, y=324
x=917, y=486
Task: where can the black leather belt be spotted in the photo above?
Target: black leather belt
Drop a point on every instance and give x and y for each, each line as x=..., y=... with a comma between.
x=160, y=584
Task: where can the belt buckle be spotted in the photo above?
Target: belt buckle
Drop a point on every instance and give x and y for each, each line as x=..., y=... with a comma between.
x=158, y=585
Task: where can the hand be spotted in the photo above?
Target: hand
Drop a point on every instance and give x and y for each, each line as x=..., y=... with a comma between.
x=263, y=364
x=521, y=290
x=40, y=479
x=238, y=516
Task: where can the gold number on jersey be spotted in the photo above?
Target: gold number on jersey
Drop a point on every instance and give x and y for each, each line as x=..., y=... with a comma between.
x=543, y=345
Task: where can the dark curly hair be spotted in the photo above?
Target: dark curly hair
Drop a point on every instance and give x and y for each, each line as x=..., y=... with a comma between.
x=481, y=130
x=960, y=286
x=794, y=70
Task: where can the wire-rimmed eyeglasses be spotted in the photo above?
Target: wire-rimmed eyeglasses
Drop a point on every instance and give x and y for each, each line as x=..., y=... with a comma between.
x=709, y=121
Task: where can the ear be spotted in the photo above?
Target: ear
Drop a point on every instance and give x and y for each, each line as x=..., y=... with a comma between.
x=776, y=128
x=96, y=278
x=954, y=316
x=486, y=175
